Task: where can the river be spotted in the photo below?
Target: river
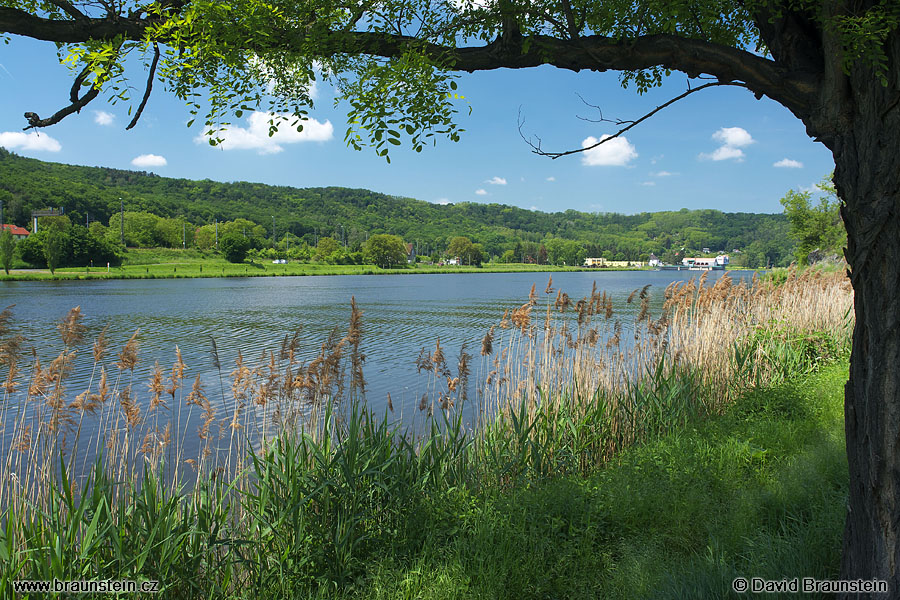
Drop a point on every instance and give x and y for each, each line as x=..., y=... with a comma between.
x=401, y=315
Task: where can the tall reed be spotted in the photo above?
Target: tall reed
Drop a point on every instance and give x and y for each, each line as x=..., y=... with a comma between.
x=293, y=479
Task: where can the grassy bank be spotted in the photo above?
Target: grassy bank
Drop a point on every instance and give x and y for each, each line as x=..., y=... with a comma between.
x=163, y=263
x=598, y=468
x=257, y=269
x=760, y=491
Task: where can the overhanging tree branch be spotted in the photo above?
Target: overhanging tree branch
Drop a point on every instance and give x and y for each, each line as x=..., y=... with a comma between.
x=78, y=102
x=147, y=89
x=536, y=146
x=793, y=88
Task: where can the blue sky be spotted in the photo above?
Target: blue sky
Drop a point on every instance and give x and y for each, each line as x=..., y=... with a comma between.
x=720, y=148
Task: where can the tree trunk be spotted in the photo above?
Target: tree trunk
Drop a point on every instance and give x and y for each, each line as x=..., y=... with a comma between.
x=867, y=177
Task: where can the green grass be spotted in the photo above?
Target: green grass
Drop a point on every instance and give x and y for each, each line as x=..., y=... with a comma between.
x=165, y=263
x=760, y=491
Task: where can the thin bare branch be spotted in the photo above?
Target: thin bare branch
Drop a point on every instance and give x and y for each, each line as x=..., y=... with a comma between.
x=148, y=89
x=537, y=149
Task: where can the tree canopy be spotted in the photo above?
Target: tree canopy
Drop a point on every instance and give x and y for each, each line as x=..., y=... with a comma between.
x=385, y=250
x=393, y=62
x=815, y=227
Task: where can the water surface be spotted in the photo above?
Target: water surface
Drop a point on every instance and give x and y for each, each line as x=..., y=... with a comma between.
x=401, y=315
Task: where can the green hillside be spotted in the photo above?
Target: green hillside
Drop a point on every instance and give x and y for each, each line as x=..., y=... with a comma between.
x=308, y=213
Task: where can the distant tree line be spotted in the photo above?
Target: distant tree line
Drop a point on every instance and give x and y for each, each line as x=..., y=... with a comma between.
x=60, y=243
x=177, y=212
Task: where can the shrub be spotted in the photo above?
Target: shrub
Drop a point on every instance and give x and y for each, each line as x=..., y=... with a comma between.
x=234, y=246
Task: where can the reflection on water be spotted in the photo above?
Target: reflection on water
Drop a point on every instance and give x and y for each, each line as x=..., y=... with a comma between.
x=401, y=315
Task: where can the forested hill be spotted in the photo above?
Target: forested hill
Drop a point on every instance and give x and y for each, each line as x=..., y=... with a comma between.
x=94, y=192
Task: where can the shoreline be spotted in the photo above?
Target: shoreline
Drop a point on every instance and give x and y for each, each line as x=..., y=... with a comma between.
x=195, y=271
x=199, y=270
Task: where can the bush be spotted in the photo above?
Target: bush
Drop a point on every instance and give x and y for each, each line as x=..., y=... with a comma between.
x=385, y=250
x=234, y=246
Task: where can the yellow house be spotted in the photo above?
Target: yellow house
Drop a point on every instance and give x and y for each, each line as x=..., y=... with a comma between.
x=617, y=264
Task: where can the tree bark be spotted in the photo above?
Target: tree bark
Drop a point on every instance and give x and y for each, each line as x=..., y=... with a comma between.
x=867, y=177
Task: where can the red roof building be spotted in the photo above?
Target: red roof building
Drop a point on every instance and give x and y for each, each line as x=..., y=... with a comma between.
x=20, y=233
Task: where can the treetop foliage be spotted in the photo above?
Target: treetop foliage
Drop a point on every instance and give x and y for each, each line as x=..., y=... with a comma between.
x=815, y=226
x=393, y=62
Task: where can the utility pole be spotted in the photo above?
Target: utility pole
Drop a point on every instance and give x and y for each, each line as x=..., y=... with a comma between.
x=122, y=221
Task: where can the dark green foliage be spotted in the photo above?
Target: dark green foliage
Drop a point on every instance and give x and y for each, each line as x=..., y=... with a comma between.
x=31, y=249
x=385, y=251
x=7, y=249
x=71, y=247
x=55, y=246
x=234, y=246
x=815, y=227
x=306, y=213
x=468, y=253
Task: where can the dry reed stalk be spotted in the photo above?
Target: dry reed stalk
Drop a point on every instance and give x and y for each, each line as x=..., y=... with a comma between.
x=697, y=322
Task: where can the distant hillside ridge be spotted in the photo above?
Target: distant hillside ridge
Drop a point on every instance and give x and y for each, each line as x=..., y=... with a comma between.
x=94, y=193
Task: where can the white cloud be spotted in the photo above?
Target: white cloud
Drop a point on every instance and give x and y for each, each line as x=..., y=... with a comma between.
x=38, y=142
x=533, y=207
x=614, y=153
x=648, y=183
x=662, y=174
x=496, y=181
x=551, y=178
x=101, y=117
x=443, y=201
x=732, y=140
x=737, y=137
x=149, y=160
x=725, y=153
x=481, y=192
x=788, y=163
x=256, y=135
